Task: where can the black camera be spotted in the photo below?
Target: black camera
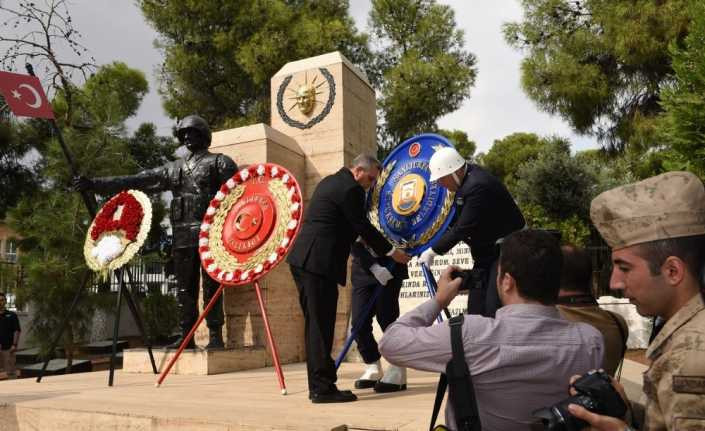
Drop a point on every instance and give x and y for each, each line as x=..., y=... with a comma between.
x=459, y=274
x=472, y=278
x=594, y=392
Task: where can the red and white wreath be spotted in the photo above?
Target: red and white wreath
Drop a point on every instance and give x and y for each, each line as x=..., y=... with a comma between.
x=118, y=231
x=250, y=224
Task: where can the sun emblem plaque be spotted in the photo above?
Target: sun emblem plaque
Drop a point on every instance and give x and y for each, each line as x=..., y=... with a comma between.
x=312, y=92
x=409, y=210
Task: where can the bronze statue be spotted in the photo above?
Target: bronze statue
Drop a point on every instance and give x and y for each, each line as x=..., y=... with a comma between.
x=193, y=180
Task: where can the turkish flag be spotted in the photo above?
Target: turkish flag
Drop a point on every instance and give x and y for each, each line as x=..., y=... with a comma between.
x=24, y=95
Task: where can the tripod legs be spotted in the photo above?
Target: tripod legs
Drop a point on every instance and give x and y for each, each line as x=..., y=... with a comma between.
x=133, y=309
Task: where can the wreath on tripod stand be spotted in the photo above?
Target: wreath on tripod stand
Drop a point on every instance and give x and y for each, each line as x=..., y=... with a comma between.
x=118, y=231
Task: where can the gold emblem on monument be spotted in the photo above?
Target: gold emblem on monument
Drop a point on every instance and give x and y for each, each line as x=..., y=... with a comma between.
x=305, y=95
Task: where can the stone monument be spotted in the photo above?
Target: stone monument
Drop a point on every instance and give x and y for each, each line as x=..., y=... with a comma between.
x=323, y=115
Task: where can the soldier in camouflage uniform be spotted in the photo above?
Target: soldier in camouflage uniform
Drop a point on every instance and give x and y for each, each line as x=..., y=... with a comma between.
x=193, y=180
x=656, y=229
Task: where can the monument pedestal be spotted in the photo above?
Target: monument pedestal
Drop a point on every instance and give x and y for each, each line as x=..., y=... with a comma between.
x=197, y=362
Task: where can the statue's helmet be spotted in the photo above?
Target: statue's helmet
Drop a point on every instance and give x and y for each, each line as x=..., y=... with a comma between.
x=194, y=122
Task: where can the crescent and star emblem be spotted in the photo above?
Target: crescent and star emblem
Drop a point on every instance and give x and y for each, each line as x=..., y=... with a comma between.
x=37, y=99
x=242, y=217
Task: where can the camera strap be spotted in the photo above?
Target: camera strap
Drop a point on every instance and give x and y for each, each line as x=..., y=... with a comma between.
x=623, y=333
x=458, y=380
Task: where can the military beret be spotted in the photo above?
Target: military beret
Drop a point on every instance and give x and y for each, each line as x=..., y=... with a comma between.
x=669, y=205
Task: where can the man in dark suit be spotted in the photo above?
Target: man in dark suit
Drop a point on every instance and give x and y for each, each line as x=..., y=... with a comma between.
x=485, y=214
x=335, y=217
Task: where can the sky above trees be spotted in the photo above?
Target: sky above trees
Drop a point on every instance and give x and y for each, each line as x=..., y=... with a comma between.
x=496, y=108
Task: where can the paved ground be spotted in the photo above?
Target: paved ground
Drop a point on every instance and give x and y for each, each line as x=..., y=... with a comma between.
x=246, y=400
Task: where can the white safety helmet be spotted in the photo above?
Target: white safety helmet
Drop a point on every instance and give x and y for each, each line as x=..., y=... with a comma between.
x=444, y=162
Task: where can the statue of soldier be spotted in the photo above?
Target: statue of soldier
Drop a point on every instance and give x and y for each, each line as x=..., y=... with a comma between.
x=193, y=180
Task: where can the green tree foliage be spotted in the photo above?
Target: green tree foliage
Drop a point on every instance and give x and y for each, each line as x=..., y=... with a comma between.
x=220, y=55
x=465, y=146
x=421, y=69
x=554, y=191
x=558, y=182
x=160, y=315
x=507, y=154
x=553, y=187
x=684, y=100
x=600, y=64
x=17, y=177
x=52, y=259
x=148, y=149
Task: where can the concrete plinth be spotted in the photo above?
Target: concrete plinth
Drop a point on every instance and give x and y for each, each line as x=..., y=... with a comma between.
x=196, y=362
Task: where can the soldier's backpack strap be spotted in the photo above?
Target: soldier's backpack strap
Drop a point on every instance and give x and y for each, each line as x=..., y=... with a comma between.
x=461, y=392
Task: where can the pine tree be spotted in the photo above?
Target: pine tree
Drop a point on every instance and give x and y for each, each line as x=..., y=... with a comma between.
x=421, y=69
x=600, y=64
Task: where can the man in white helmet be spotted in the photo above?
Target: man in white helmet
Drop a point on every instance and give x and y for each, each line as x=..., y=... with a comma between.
x=485, y=213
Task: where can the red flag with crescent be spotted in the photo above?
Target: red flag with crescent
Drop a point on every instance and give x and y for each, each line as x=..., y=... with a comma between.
x=24, y=95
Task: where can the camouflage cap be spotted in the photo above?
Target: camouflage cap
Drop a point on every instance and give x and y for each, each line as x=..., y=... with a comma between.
x=669, y=205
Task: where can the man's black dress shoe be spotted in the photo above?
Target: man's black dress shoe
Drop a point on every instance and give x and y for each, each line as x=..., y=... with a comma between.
x=332, y=397
x=389, y=387
x=364, y=383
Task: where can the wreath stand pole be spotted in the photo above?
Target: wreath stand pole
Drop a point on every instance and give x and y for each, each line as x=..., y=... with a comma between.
x=270, y=339
x=432, y=287
x=116, y=325
x=189, y=336
x=359, y=322
x=91, y=206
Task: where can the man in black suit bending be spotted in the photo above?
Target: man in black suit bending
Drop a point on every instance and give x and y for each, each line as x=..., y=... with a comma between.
x=335, y=217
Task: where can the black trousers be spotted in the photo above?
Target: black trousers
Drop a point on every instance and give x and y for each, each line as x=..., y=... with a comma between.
x=386, y=309
x=318, y=297
x=187, y=268
x=484, y=299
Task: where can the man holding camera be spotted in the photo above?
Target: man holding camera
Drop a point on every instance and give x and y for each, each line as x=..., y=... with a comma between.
x=520, y=360
x=656, y=229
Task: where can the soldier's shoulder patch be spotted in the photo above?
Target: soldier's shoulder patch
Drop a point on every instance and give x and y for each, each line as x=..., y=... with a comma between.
x=689, y=384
